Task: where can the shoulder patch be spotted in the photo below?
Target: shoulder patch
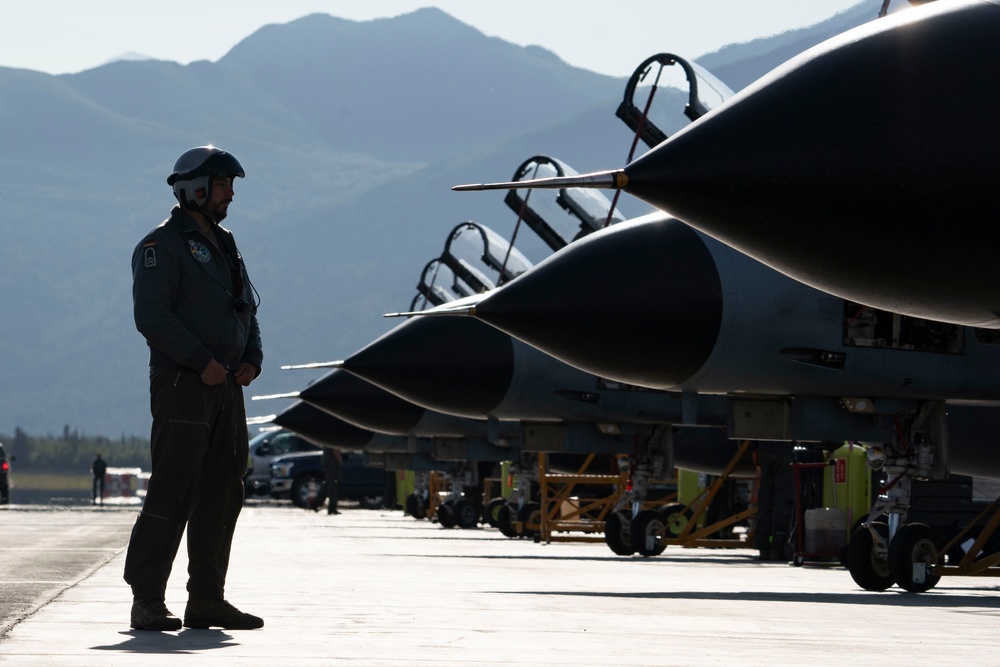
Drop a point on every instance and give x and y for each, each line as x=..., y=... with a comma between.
x=200, y=251
x=149, y=254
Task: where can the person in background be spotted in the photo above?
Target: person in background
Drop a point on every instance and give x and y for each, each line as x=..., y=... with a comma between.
x=197, y=309
x=98, y=468
x=775, y=499
x=331, y=471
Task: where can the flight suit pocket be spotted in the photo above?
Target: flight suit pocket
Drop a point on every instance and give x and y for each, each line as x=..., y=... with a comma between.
x=180, y=423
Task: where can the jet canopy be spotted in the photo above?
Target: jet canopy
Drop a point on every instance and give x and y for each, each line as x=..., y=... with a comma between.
x=475, y=259
x=688, y=90
x=438, y=285
x=570, y=214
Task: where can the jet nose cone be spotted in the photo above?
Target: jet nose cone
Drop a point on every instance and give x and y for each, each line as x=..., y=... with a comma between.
x=361, y=403
x=883, y=137
x=640, y=303
x=322, y=428
x=458, y=366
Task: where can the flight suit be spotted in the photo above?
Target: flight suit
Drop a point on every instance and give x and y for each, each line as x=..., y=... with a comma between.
x=193, y=302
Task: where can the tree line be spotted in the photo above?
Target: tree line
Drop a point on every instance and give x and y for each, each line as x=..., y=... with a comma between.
x=73, y=451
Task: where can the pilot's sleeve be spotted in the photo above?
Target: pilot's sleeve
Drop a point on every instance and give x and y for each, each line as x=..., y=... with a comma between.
x=155, y=278
x=255, y=352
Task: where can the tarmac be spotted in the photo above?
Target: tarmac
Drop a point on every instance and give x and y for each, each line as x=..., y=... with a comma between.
x=378, y=588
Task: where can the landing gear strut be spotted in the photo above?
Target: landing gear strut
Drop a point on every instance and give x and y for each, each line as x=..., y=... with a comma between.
x=885, y=550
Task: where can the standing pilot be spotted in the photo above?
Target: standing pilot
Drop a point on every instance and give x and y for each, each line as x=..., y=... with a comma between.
x=195, y=305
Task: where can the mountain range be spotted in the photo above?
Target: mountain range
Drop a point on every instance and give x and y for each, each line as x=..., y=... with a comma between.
x=351, y=134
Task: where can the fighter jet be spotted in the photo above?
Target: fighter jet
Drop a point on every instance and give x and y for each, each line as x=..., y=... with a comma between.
x=366, y=406
x=674, y=309
x=695, y=336
x=464, y=367
x=695, y=316
x=323, y=429
x=862, y=167
x=395, y=435
x=467, y=369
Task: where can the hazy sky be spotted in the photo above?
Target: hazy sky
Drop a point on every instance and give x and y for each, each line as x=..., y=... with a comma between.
x=60, y=36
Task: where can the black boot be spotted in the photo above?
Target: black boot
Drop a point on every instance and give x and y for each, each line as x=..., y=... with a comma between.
x=153, y=615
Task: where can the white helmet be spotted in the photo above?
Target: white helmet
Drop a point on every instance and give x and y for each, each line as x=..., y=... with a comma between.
x=194, y=170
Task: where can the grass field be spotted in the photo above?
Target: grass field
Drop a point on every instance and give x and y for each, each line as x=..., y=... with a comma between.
x=30, y=481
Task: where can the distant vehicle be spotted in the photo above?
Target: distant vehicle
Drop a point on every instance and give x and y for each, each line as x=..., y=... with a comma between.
x=4, y=476
x=265, y=449
x=300, y=477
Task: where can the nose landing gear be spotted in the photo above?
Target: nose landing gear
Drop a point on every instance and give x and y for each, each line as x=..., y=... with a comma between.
x=884, y=550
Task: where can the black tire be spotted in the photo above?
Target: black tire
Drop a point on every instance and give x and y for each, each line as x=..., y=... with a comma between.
x=530, y=517
x=308, y=491
x=914, y=544
x=371, y=502
x=618, y=532
x=506, y=519
x=466, y=515
x=491, y=510
x=649, y=528
x=446, y=514
x=868, y=571
x=415, y=506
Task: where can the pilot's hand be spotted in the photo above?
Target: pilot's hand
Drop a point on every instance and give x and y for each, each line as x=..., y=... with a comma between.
x=214, y=373
x=246, y=374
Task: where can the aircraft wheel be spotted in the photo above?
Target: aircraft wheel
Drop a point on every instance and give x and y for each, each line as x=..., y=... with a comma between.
x=530, y=517
x=465, y=513
x=867, y=569
x=648, y=530
x=491, y=510
x=912, y=551
x=446, y=515
x=618, y=532
x=415, y=506
x=675, y=518
x=506, y=518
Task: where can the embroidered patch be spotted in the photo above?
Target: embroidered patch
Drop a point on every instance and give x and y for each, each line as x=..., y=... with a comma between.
x=149, y=256
x=200, y=252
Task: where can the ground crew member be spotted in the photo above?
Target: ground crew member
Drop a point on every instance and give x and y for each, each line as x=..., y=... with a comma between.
x=775, y=499
x=331, y=473
x=98, y=468
x=195, y=305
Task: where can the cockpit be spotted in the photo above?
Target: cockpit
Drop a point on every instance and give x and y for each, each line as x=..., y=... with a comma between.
x=475, y=259
x=684, y=91
x=558, y=217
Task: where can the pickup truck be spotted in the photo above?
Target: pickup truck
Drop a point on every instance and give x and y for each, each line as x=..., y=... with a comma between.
x=300, y=477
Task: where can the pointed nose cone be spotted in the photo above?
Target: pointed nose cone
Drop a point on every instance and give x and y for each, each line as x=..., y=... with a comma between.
x=640, y=302
x=865, y=167
x=455, y=365
x=361, y=403
x=321, y=428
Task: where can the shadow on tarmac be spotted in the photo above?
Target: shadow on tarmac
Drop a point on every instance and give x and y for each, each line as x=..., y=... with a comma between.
x=722, y=560
x=185, y=641
x=887, y=598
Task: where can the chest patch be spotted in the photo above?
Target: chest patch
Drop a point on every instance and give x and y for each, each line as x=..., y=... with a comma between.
x=200, y=252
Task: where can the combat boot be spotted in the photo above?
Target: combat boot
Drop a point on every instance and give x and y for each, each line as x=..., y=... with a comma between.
x=203, y=614
x=153, y=615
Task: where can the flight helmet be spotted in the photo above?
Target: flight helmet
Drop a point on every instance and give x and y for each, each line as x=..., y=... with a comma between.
x=194, y=170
